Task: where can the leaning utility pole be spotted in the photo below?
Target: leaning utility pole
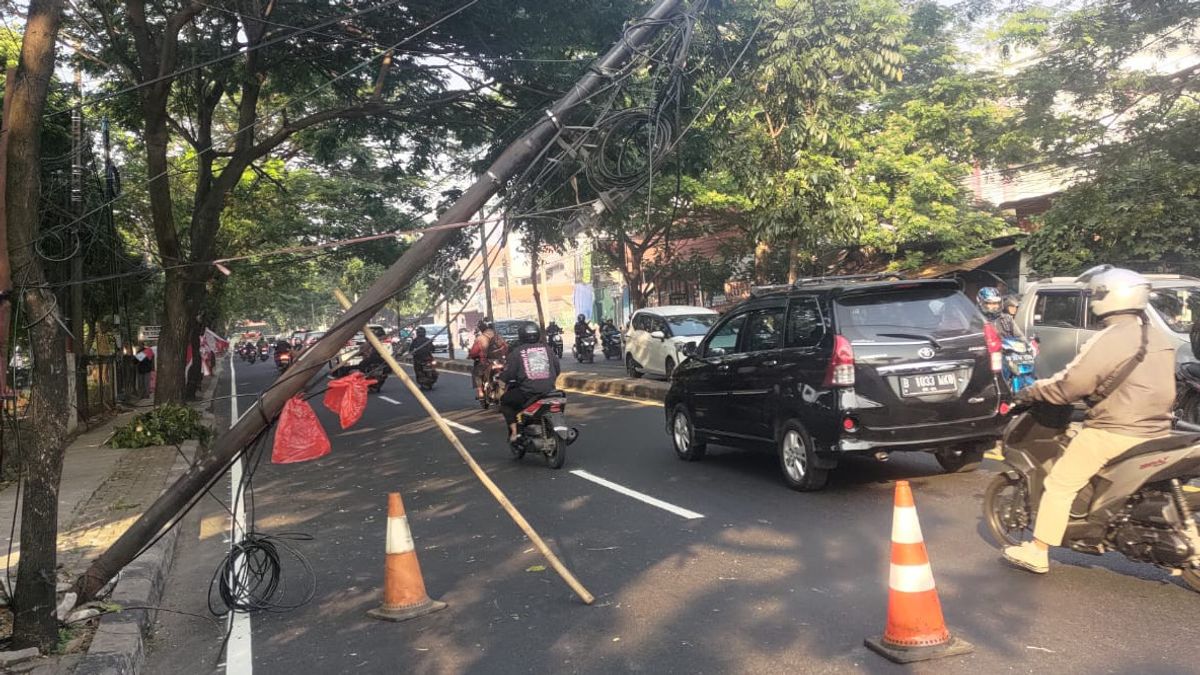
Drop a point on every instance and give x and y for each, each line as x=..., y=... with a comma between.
x=230, y=445
x=487, y=274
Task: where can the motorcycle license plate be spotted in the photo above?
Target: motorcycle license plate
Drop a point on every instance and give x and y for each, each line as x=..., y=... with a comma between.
x=935, y=383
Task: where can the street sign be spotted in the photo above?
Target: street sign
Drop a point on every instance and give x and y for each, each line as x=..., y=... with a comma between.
x=149, y=333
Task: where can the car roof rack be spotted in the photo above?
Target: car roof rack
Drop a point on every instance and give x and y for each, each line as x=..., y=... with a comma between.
x=882, y=276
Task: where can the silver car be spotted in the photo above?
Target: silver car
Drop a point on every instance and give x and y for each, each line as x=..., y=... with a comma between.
x=1055, y=310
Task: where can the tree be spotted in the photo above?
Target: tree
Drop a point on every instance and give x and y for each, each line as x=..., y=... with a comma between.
x=34, y=623
x=1127, y=128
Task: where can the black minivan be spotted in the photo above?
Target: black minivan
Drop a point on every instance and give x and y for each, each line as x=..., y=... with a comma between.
x=832, y=366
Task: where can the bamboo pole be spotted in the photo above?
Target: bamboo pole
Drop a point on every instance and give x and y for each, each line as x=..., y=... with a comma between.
x=474, y=466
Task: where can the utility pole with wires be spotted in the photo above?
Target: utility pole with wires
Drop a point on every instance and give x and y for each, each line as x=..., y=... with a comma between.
x=230, y=446
x=6, y=290
x=487, y=278
x=77, y=342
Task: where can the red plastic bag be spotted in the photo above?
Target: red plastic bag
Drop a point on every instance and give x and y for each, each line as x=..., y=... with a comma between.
x=347, y=397
x=299, y=436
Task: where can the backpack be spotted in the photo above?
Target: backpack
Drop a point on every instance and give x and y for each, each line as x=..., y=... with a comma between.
x=497, y=347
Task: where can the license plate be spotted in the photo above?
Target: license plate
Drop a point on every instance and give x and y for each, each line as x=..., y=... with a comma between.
x=936, y=383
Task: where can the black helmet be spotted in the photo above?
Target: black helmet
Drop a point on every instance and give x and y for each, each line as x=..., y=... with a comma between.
x=529, y=333
x=581, y=318
x=421, y=331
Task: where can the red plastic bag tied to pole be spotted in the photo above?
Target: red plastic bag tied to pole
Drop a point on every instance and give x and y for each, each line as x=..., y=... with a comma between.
x=299, y=436
x=347, y=398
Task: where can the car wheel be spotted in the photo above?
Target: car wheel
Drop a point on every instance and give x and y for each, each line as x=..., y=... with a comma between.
x=683, y=436
x=961, y=460
x=668, y=368
x=631, y=367
x=797, y=458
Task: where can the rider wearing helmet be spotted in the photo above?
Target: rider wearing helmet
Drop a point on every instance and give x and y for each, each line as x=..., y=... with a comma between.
x=488, y=346
x=531, y=370
x=582, y=328
x=421, y=347
x=995, y=310
x=1126, y=375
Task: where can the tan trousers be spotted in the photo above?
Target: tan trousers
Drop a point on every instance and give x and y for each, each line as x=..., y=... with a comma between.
x=1086, y=454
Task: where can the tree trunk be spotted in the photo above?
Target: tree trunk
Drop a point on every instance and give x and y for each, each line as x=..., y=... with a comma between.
x=173, y=340
x=195, y=371
x=793, y=262
x=761, y=263
x=34, y=623
x=535, y=258
x=633, y=278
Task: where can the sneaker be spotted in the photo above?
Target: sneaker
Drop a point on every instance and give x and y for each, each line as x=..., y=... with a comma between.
x=1029, y=557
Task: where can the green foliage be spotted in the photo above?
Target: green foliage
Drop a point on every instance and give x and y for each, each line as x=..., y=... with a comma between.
x=168, y=424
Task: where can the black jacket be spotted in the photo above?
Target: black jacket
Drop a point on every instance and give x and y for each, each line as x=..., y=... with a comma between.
x=422, y=349
x=531, y=368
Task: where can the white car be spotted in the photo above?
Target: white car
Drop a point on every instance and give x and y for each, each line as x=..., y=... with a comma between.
x=656, y=337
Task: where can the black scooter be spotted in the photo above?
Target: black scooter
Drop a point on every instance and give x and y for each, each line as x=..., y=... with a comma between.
x=610, y=343
x=542, y=427
x=585, y=348
x=426, y=373
x=1136, y=504
x=556, y=344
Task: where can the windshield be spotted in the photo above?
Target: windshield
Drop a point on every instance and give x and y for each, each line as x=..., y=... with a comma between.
x=935, y=312
x=690, y=325
x=1177, y=306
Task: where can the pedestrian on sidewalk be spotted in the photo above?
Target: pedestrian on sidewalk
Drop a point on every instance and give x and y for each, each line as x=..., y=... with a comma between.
x=145, y=366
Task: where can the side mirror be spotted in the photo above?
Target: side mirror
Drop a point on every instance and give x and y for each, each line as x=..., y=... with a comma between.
x=658, y=335
x=689, y=349
x=715, y=351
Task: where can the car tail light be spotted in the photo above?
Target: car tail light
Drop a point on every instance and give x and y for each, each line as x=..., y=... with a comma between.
x=556, y=407
x=993, y=345
x=841, y=366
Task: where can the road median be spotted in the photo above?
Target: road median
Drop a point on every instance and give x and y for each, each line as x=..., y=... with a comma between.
x=589, y=383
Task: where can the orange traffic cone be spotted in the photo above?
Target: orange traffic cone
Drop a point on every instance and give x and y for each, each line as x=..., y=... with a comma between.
x=915, y=629
x=404, y=595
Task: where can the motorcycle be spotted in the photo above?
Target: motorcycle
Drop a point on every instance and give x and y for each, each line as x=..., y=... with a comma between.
x=610, y=344
x=542, y=427
x=426, y=373
x=585, y=349
x=1017, y=362
x=493, y=389
x=249, y=354
x=264, y=353
x=1187, y=392
x=556, y=344
x=283, y=360
x=1136, y=505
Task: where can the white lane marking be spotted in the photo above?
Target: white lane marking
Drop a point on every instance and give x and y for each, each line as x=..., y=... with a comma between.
x=389, y=400
x=677, y=510
x=239, y=652
x=460, y=427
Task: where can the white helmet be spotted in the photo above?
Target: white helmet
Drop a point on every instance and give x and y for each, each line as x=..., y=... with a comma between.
x=1114, y=290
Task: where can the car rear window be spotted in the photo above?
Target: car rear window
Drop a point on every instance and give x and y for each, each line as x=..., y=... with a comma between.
x=688, y=325
x=934, y=312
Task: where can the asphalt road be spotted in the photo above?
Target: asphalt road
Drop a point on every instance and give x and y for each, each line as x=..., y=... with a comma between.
x=768, y=580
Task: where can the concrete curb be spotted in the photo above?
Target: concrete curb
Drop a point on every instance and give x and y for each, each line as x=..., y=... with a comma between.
x=645, y=390
x=119, y=647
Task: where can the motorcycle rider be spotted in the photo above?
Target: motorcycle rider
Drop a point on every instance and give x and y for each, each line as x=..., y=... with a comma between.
x=531, y=370
x=995, y=310
x=1126, y=374
x=488, y=347
x=421, y=347
x=582, y=328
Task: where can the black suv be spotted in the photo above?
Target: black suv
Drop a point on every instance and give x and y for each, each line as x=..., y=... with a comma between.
x=843, y=365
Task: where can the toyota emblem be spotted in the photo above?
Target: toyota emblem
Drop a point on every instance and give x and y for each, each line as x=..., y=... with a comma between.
x=925, y=353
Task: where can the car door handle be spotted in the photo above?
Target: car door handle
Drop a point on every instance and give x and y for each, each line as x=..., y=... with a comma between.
x=723, y=366
x=770, y=363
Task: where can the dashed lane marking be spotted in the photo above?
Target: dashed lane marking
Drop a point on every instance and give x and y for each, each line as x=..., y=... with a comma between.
x=389, y=400
x=640, y=496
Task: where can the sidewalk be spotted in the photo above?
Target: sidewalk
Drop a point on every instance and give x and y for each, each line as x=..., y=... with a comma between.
x=102, y=492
